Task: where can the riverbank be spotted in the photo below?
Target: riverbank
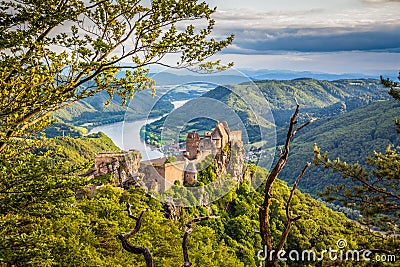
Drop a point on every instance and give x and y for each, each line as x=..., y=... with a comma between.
x=126, y=134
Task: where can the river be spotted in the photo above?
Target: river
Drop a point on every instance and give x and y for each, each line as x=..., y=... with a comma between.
x=126, y=135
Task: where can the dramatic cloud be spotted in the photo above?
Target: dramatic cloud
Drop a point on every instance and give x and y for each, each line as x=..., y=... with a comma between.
x=360, y=27
x=341, y=36
x=316, y=40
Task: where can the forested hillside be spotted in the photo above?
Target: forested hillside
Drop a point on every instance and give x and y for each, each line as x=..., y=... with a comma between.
x=80, y=150
x=350, y=136
x=318, y=93
x=92, y=111
x=69, y=66
x=84, y=228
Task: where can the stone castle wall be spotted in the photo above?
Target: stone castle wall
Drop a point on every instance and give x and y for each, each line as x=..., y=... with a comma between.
x=235, y=136
x=192, y=145
x=174, y=172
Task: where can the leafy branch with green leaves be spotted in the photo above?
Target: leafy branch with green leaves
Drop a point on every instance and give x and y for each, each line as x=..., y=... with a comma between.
x=55, y=53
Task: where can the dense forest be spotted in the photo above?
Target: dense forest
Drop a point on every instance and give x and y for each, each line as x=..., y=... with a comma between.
x=350, y=136
x=84, y=229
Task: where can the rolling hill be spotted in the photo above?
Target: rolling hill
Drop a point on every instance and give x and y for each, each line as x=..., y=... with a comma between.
x=92, y=111
x=350, y=136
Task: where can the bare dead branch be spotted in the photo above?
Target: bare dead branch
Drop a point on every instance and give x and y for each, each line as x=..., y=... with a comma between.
x=290, y=219
x=185, y=238
x=302, y=126
x=296, y=183
x=266, y=235
x=265, y=232
x=136, y=249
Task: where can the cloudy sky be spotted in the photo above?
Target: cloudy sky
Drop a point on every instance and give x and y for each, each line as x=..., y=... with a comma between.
x=334, y=36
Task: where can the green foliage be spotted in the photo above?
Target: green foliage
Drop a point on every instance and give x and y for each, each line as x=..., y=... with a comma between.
x=102, y=179
x=394, y=92
x=64, y=129
x=319, y=227
x=44, y=68
x=207, y=170
x=34, y=191
x=375, y=193
x=37, y=204
x=80, y=150
x=38, y=79
x=57, y=229
x=374, y=190
x=170, y=159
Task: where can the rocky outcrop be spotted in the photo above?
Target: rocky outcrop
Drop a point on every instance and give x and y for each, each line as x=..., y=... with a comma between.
x=171, y=211
x=122, y=167
x=231, y=161
x=236, y=164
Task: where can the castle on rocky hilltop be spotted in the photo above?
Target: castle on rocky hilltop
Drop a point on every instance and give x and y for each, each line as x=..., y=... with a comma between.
x=160, y=174
x=197, y=149
x=211, y=142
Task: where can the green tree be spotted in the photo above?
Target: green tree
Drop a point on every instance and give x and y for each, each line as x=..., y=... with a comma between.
x=394, y=91
x=170, y=159
x=54, y=53
x=373, y=189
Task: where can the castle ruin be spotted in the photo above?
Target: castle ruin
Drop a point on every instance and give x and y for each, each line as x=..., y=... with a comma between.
x=197, y=149
x=211, y=142
x=158, y=174
x=122, y=165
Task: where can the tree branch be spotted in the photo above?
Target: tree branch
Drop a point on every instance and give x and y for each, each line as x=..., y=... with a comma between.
x=291, y=219
x=264, y=209
x=136, y=249
x=185, y=238
x=302, y=126
x=265, y=232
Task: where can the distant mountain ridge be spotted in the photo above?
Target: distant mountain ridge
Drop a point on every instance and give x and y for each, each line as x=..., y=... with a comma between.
x=167, y=78
x=266, y=74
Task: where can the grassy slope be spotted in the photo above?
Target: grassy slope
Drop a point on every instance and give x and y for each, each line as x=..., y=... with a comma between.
x=80, y=150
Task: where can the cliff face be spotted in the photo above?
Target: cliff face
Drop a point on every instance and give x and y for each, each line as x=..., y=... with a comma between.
x=124, y=169
x=123, y=166
x=231, y=161
x=236, y=164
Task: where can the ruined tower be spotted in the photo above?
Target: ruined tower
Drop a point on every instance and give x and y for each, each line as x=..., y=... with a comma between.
x=192, y=145
x=190, y=173
x=220, y=135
